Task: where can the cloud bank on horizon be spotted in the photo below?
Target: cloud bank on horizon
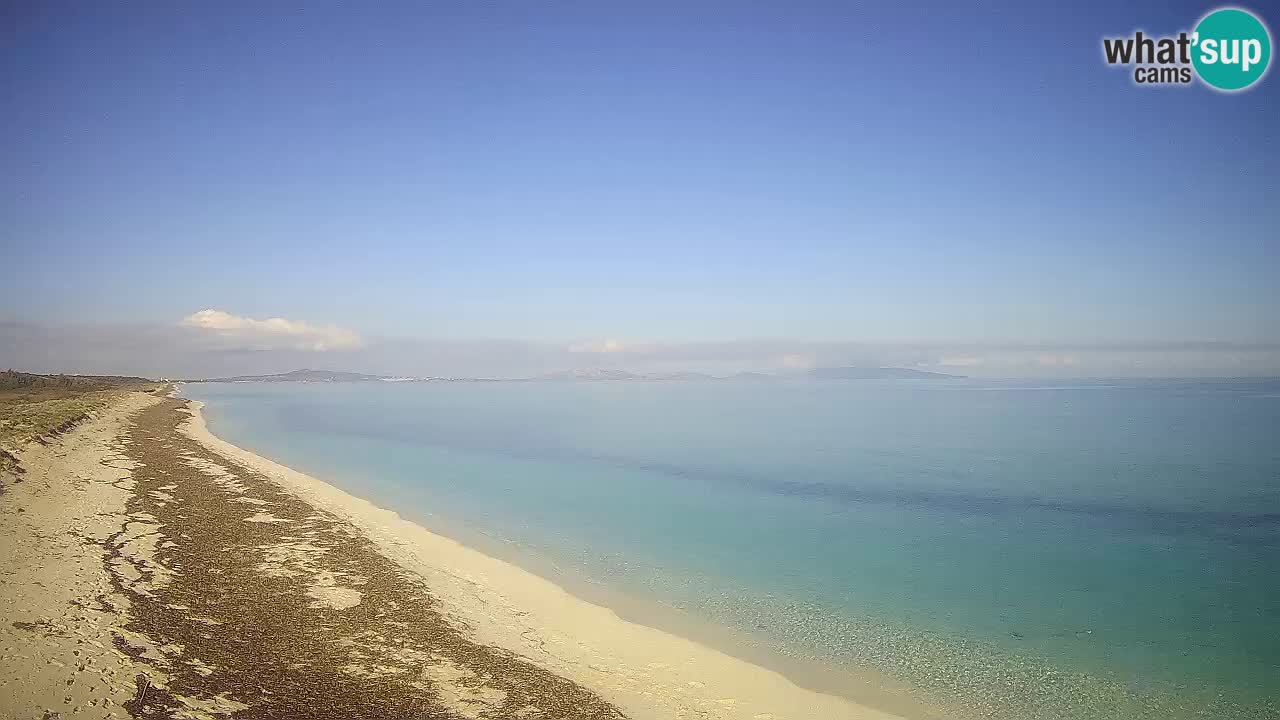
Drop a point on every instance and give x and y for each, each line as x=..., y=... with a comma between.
x=214, y=342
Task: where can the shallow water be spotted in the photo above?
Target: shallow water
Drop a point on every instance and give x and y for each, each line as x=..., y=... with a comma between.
x=1006, y=549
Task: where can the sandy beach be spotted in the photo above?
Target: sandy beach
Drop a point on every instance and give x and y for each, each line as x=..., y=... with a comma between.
x=159, y=571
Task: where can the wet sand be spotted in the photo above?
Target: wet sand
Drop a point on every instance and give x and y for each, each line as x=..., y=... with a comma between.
x=162, y=572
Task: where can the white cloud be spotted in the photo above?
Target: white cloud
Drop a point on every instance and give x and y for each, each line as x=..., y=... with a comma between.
x=275, y=332
x=598, y=346
x=797, y=360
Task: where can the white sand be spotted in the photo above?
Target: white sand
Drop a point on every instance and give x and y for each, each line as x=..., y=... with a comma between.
x=58, y=611
x=646, y=672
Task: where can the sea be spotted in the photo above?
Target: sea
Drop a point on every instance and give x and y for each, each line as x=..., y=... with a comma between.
x=1083, y=549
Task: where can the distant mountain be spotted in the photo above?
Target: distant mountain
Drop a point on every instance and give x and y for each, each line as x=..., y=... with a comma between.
x=679, y=377
x=306, y=376
x=594, y=375
x=751, y=376
x=884, y=373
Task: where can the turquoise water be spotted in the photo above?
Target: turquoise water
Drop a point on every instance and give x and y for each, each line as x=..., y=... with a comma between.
x=1002, y=549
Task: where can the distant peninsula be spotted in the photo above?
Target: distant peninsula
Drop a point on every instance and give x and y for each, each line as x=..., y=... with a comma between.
x=884, y=373
x=328, y=376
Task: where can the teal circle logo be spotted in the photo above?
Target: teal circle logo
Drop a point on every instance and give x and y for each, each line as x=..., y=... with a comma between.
x=1232, y=49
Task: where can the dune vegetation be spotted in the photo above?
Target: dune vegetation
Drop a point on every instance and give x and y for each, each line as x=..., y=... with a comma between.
x=34, y=407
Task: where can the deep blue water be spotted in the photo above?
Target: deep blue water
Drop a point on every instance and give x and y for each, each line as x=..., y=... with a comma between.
x=998, y=547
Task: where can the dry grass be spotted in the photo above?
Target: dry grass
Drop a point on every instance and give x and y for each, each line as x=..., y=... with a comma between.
x=34, y=407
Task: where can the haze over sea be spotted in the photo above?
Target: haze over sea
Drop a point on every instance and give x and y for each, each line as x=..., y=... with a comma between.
x=1005, y=549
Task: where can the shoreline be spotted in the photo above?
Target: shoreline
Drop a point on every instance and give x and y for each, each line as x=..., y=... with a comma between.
x=646, y=671
x=150, y=577
x=861, y=687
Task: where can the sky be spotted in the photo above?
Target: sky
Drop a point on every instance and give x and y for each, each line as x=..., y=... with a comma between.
x=510, y=188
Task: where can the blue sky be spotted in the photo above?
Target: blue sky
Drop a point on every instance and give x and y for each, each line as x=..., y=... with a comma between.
x=557, y=173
